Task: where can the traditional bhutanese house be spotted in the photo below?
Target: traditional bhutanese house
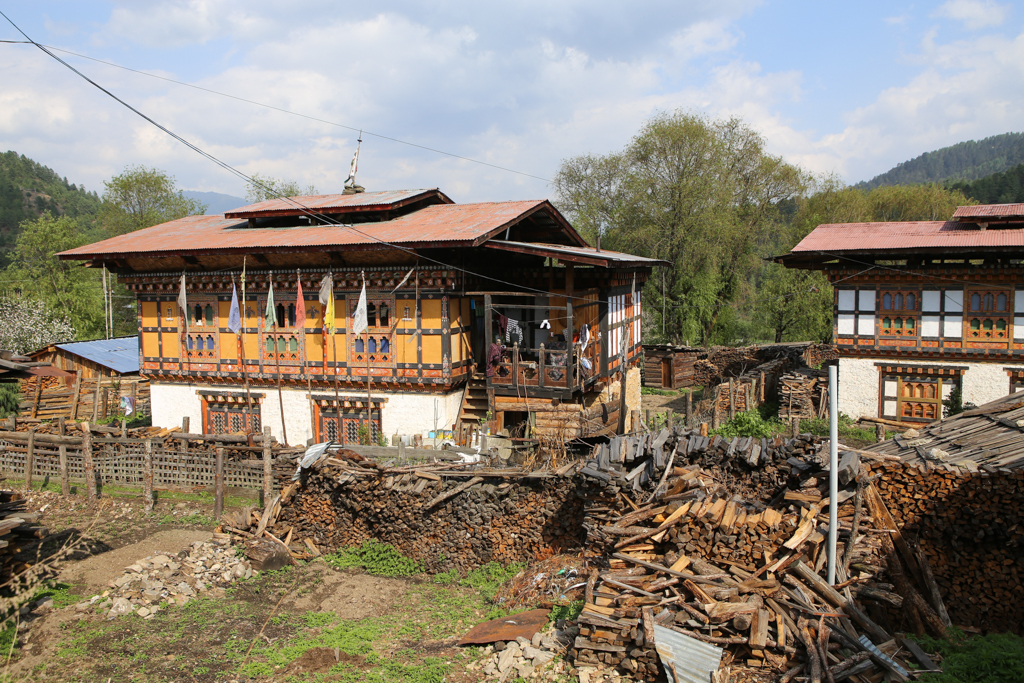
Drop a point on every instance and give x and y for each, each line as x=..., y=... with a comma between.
x=495, y=310
x=116, y=357
x=924, y=307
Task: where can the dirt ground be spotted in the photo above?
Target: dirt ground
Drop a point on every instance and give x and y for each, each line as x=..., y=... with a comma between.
x=309, y=622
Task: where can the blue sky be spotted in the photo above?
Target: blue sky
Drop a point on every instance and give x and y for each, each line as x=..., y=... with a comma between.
x=844, y=88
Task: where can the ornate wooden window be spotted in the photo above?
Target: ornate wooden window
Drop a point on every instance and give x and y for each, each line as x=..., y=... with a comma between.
x=908, y=395
x=282, y=340
x=201, y=341
x=987, y=315
x=375, y=345
x=347, y=425
x=898, y=314
x=229, y=414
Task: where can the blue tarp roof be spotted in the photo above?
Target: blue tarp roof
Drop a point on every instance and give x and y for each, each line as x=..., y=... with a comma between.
x=120, y=354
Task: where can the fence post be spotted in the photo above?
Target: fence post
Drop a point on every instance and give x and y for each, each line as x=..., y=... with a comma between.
x=183, y=452
x=77, y=395
x=689, y=408
x=62, y=451
x=87, y=461
x=124, y=429
x=795, y=422
x=218, y=487
x=268, y=463
x=761, y=386
x=879, y=433
x=147, y=476
x=670, y=419
x=35, y=400
x=30, y=456
x=732, y=399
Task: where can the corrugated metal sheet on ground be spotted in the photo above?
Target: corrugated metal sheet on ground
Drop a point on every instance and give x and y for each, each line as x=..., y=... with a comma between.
x=333, y=203
x=442, y=224
x=989, y=210
x=905, y=235
x=685, y=659
x=120, y=354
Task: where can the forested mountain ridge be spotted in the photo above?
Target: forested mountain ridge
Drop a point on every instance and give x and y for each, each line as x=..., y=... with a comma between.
x=28, y=189
x=1006, y=187
x=964, y=161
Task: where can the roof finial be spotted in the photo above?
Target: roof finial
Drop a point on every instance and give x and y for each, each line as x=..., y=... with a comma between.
x=350, y=183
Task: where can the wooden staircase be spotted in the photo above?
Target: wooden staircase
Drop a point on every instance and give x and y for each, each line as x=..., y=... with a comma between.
x=474, y=404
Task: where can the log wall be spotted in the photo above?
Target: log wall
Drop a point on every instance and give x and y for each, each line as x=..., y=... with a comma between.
x=971, y=525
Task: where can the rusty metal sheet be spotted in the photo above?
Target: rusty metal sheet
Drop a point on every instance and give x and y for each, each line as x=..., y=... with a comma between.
x=445, y=225
x=685, y=659
x=524, y=624
x=990, y=211
x=864, y=237
x=336, y=203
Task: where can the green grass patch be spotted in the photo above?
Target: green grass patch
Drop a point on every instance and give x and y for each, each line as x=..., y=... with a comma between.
x=448, y=578
x=847, y=429
x=488, y=578
x=762, y=423
x=379, y=559
x=196, y=519
x=652, y=391
x=993, y=658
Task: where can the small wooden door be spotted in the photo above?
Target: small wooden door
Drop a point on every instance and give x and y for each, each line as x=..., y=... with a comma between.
x=666, y=373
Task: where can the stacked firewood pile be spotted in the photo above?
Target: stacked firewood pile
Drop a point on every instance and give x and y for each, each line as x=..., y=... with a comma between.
x=803, y=394
x=971, y=528
x=742, y=566
x=17, y=528
x=816, y=355
x=444, y=515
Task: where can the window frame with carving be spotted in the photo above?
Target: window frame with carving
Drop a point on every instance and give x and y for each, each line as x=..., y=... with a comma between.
x=898, y=313
x=289, y=335
x=376, y=335
x=982, y=315
x=202, y=340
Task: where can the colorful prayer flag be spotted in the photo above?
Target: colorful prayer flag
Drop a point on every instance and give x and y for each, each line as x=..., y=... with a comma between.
x=300, y=308
x=235, y=314
x=270, y=315
x=327, y=302
x=359, y=319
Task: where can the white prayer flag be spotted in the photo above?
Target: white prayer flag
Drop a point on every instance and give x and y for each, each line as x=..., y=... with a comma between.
x=359, y=319
x=183, y=302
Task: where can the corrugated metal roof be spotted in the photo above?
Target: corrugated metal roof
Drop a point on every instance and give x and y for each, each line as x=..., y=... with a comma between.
x=989, y=211
x=335, y=203
x=441, y=224
x=685, y=659
x=907, y=235
x=579, y=254
x=120, y=354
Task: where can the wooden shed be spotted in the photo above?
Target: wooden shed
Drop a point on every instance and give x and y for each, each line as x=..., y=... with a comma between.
x=669, y=367
x=116, y=357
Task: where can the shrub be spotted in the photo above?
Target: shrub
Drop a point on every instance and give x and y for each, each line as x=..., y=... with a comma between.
x=761, y=423
x=379, y=559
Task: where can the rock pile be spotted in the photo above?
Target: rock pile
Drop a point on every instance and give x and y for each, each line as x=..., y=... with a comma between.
x=163, y=580
x=522, y=658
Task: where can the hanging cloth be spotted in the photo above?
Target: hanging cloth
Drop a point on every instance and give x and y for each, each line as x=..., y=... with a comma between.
x=584, y=336
x=513, y=329
x=235, y=314
x=502, y=326
x=545, y=324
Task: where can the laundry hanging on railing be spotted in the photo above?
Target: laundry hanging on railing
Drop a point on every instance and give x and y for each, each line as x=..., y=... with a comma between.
x=513, y=329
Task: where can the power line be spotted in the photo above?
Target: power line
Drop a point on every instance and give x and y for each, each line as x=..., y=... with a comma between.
x=279, y=109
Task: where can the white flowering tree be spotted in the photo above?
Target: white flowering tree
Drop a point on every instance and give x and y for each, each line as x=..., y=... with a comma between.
x=27, y=325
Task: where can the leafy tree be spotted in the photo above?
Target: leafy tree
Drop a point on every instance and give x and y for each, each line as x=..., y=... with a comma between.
x=266, y=187
x=141, y=197
x=998, y=188
x=28, y=324
x=794, y=305
x=64, y=286
x=702, y=194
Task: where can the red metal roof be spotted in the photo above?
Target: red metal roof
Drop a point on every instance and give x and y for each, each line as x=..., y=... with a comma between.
x=335, y=203
x=444, y=225
x=989, y=211
x=832, y=237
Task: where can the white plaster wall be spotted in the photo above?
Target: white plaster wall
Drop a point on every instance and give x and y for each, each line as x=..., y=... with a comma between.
x=404, y=413
x=408, y=413
x=859, y=386
x=171, y=402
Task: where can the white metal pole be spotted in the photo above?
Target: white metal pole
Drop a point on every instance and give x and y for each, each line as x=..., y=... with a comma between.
x=833, y=479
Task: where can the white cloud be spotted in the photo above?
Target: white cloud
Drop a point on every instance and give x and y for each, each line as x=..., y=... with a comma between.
x=974, y=14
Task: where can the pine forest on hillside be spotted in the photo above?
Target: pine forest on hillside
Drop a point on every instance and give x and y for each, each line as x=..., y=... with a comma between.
x=999, y=188
x=964, y=161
